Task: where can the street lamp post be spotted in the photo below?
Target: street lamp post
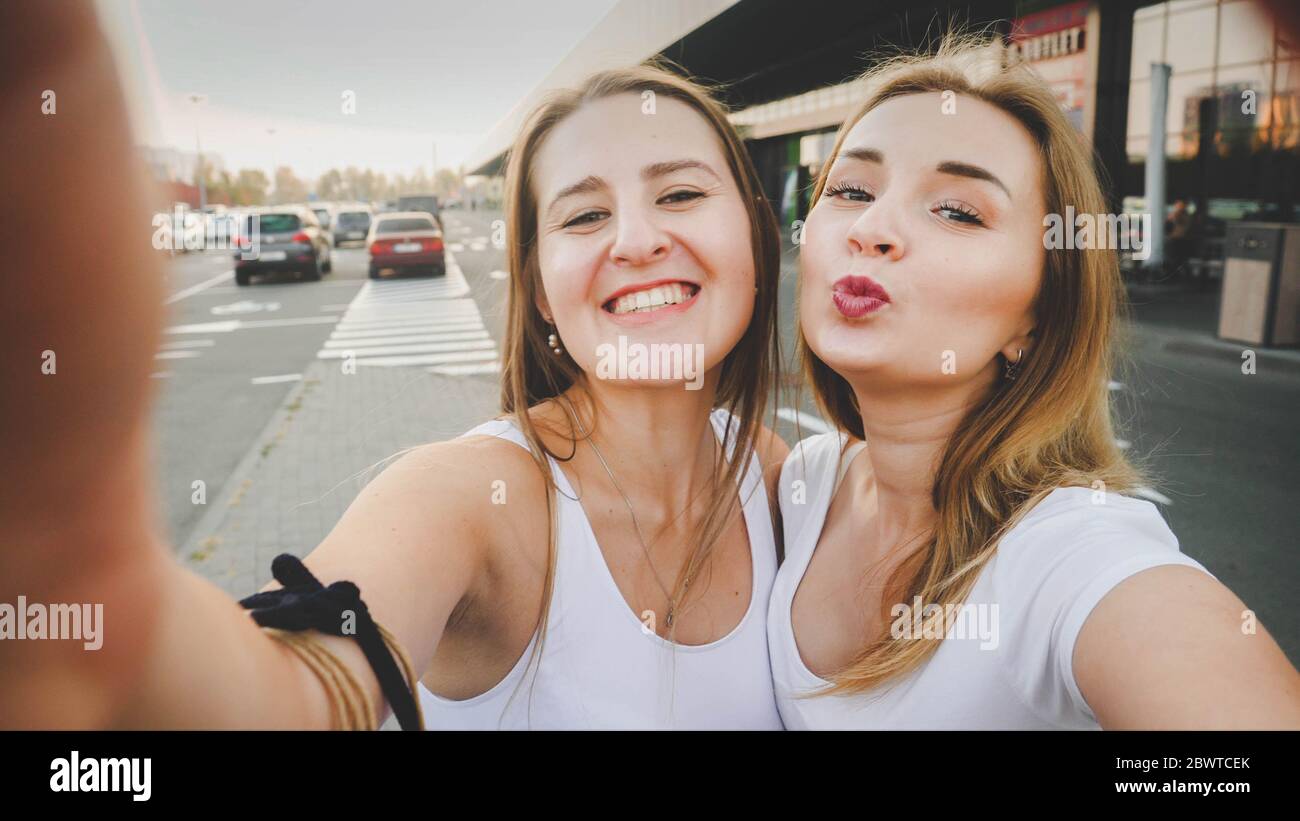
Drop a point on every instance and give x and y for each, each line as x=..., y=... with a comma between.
x=270, y=132
x=198, y=99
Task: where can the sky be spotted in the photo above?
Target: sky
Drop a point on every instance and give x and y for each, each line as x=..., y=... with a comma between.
x=422, y=74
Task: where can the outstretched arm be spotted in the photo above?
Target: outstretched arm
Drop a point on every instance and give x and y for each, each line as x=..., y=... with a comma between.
x=76, y=487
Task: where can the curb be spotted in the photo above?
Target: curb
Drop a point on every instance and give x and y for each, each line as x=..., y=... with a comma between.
x=211, y=520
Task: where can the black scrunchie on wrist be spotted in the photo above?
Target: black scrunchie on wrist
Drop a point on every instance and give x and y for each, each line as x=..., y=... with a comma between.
x=304, y=603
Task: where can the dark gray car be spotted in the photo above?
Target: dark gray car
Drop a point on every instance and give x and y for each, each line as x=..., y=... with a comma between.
x=291, y=239
x=351, y=225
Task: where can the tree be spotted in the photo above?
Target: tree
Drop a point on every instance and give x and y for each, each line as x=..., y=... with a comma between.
x=446, y=183
x=288, y=188
x=330, y=185
x=250, y=187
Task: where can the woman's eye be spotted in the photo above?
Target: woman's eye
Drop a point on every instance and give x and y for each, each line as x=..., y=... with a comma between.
x=957, y=212
x=852, y=192
x=582, y=219
x=681, y=196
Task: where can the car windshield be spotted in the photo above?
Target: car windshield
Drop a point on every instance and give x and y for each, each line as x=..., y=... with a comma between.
x=276, y=223
x=354, y=218
x=406, y=224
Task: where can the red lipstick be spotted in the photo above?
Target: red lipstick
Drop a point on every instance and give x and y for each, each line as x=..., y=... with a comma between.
x=857, y=296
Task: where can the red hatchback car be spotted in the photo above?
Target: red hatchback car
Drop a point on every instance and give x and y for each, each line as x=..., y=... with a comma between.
x=406, y=241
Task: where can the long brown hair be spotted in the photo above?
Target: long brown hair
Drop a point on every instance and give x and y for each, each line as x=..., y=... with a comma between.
x=532, y=373
x=1048, y=428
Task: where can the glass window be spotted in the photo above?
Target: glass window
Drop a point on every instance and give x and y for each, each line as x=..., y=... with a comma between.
x=398, y=226
x=1148, y=45
x=1245, y=33
x=1137, y=149
x=1189, y=45
x=1185, y=93
x=1139, y=103
x=277, y=223
x=1288, y=75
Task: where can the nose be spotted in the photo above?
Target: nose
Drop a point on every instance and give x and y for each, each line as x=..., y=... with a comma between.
x=875, y=233
x=639, y=239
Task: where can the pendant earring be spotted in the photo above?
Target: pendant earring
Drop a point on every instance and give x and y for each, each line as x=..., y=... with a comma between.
x=1013, y=367
x=554, y=342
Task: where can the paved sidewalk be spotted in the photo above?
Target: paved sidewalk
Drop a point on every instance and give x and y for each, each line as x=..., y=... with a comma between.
x=316, y=454
x=1183, y=320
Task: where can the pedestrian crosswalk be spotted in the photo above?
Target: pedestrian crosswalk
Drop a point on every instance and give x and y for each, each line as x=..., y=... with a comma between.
x=415, y=322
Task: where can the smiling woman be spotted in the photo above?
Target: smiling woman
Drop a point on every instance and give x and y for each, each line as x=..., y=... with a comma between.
x=636, y=222
x=608, y=541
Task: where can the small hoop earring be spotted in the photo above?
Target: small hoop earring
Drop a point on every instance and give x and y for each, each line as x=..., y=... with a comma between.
x=554, y=342
x=1013, y=367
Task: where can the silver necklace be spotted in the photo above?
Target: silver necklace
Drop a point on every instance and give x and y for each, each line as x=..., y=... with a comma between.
x=672, y=603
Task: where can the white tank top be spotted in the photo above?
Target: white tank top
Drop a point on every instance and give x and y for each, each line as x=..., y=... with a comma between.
x=601, y=668
x=1007, y=662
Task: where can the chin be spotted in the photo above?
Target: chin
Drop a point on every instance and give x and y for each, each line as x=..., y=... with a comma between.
x=844, y=349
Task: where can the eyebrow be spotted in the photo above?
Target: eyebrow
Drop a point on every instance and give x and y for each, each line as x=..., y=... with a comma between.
x=591, y=183
x=950, y=167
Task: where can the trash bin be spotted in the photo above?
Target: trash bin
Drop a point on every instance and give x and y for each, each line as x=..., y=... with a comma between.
x=1260, y=301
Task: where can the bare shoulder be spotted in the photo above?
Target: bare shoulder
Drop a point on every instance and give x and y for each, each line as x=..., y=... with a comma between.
x=469, y=477
x=1172, y=647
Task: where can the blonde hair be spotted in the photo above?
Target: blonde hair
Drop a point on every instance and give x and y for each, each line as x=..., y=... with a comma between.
x=532, y=373
x=1051, y=426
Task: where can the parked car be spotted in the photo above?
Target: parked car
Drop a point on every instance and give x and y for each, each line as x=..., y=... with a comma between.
x=352, y=225
x=291, y=239
x=406, y=241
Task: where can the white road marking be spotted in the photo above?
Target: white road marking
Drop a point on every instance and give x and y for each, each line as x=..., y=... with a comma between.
x=1115, y=386
x=202, y=286
x=177, y=354
x=160, y=374
x=410, y=320
x=271, y=380
x=406, y=330
x=406, y=340
x=187, y=343
x=245, y=306
x=498, y=275
x=431, y=359
x=206, y=327
x=467, y=369
x=407, y=322
x=427, y=347
x=230, y=325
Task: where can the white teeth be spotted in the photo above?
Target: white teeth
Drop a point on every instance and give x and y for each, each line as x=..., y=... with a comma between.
x=657, y=297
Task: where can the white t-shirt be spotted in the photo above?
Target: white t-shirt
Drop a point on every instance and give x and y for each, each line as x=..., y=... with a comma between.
x=1007, y=661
